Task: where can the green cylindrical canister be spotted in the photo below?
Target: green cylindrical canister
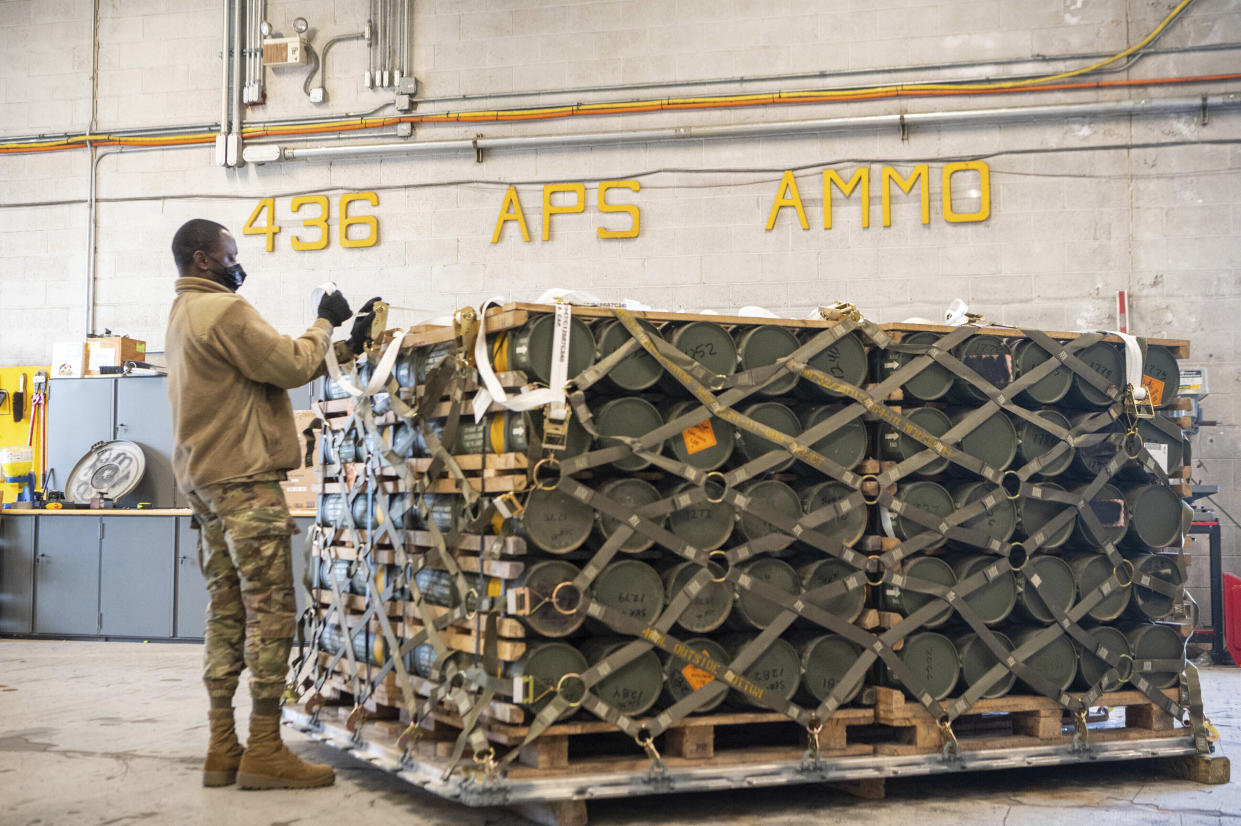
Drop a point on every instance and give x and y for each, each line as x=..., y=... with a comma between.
x=1108, y=361
x=368, y=511
x=705, y=342
x=683, y=677
x=1050, y=389
x=998, y=522
x=934, y=661
x=546, y=664
x=636, y=372
x=385, y=579
x=1091, y=570
x=630, y=587
x=977, y=659
x=1147, y=603
x=406, y=440
x=331, y=391
x=577, y=440
x=706, y=525
x=438, y=587
x=845, y=528
x=1154, y=517
x=825, y=659
x=529, y=348
x=928, y=384
x=402, y=511
x=430, y=357
x=542, y=578
x=709, y=609
x=1108, y=507
x=1166, y=444
x=629, y=416
x=906, y=601
x=1091, y=668
x=1046, y=589
x=345, y=449
x=631, y=689
x=331, y=639
x=338, y=569
x=1089, y=459
x=776, y=416
x=994, y=442
x=928, y=496
x=773, y=495
x=445, y=510
x=1034, y=514
x=424, y=659
x=505, y=432
x=844, y=361
x=846, y=445
x=555, y=522
x=895, y=446
x=993, y=601
x=705, y=444
x=766, y=344
x=1033, y=442
x=1161, y=375
x=776, y=672
x=633, y=494
x=847, y=606
x=1157, y=642
x=754, y=611
x=1055, y=662
x=989, y=357
x=405, y=371
x=329, y=509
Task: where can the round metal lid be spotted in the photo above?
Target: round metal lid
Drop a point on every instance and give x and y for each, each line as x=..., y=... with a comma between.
x=1055, y=579
x=764, y=345
x=682, y=678
x=931, y=382
x=628, y=416
x=897, y=447
x=1150, y=603
x=845, y=360
x=633, y=494
x=993, y=601
x=846, y=445
x=1091, y=571
x=705, y=525
x=637, y=371
x=775, y=496
x=555, y=521
x=706, y=444
x=1106, y=360
x=1033, y=514
x=825, y=660
x=1154, y=517
x=633, y=688
x=709, y=609
x=934, y=661
x=931, y=497
x=759, y=611
x=707, y=343
x=999, y=522
x=1161, y=375
x=846, y=528
x=531, y=348
x=1157, y=642
x=1056, y=661
x=907, y=601
x=1033, y=441
x=1050, y=389
x=848, y=606
x=1108, y=506
x=994, y=441
x=1091, y=667
x=977, y=659
x=110, y=470
x=777, y=670
x=989, y=357
x=546, y=663
x=776, y=416
x=631, y=587
x=542, y=578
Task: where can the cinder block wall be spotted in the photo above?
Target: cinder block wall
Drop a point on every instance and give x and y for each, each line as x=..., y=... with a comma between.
x=1079, y=209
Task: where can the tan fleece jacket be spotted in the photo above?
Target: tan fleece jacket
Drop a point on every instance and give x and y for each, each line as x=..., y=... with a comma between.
x=228, y=376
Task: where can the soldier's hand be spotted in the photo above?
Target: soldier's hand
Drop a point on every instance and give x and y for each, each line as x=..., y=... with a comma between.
x=362, y=326
x=334, y=308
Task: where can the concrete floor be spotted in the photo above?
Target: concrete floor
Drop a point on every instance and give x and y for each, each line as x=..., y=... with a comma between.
x=112, y=733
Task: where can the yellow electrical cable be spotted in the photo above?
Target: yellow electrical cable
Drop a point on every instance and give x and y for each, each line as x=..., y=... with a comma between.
x=649, y=105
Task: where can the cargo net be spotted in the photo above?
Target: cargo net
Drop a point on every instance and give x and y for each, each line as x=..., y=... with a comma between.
x=771, y=516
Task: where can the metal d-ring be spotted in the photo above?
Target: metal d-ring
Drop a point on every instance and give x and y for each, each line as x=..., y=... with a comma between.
x=1130, y=437
x=1024, y=556
x=725, y=567
x=878, y=491
x=882, y=570
x=575, y=598
x=1128, y=674
x=541, y=468
x=723, y=482
x=471, y=603
x=1013, y=493
x=1116, y=573
x=567, y=696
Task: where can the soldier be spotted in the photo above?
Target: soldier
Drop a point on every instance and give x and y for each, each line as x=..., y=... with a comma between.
x=228, y=375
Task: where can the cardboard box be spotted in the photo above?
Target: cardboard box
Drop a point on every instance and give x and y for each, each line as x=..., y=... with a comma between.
x=301, y=489
x=112, y=351
x=68, y=360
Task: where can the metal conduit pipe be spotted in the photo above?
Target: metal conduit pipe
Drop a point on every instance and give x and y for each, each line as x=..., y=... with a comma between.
x=221, y=141
x=1067, y=111
x=234, y=136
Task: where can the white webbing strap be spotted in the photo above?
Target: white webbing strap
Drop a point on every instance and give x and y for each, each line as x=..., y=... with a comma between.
x=384, y=369
x=493, y=391
x=1133, y=365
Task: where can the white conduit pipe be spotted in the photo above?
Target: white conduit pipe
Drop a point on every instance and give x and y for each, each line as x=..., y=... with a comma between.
x=1067, y=111
x=225, y=45
x=234, y=137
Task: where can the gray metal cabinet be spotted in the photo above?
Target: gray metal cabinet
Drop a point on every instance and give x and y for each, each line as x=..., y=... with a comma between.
x=191, y=588
x=67, y=575
x=144, y=416
x=79, y=413
x=136, y=579
x=17, y=547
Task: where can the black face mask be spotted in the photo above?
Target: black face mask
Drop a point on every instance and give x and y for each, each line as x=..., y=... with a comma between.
x=232, y=277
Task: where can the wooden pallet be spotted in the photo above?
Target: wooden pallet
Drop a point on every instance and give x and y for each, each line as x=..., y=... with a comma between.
x=1032, y=720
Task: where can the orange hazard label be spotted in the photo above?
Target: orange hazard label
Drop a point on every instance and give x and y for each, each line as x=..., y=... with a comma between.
x=695, y=676
x=1154, y=390
x=699, y=437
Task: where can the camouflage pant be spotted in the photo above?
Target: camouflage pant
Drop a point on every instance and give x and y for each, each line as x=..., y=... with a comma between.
x=246, y=557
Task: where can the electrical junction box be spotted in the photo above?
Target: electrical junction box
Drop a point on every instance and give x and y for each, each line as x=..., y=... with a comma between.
x=284, y=51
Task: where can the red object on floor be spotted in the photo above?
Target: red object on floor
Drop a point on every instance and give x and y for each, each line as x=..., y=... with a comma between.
x=1232, y=616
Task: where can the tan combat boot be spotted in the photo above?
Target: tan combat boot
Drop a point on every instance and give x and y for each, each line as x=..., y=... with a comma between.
x=223, y=750
x=267, y=764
